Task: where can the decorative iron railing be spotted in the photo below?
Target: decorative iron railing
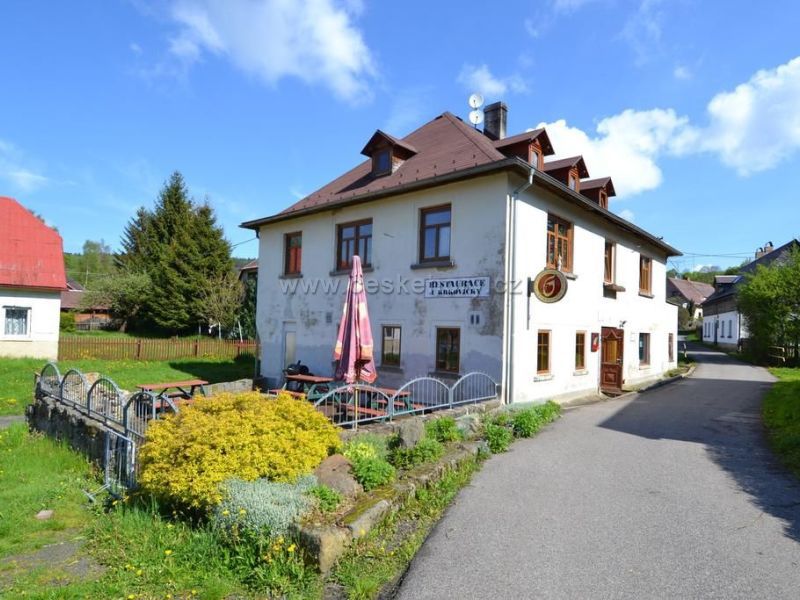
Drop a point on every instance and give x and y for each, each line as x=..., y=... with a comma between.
x=347, y=405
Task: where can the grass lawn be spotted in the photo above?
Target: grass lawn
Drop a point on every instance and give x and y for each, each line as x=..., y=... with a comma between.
x=781, y=411
x=16, y=374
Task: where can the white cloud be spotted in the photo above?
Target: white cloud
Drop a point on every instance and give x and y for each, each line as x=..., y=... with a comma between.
x=682, y=72
x=627, y=214
x=753, y=128
x=568, y=6
x=626, y=147
x=643, y=29
x=478, y=78
x=757, y=125
x=408, y=108
x=16, y=173
x=313, y=40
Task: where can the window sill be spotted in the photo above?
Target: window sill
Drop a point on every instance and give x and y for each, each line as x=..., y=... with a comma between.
x=570, y=276
x=580, y=372
x=391, y=369
x=543, y=377
x=336, y=272
x=613, y=287
x=644, y=367
x=434, y=264
x=290, y=276
x=646, y=294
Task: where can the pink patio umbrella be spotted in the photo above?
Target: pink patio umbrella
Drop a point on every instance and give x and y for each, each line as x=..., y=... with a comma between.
x=354, y=342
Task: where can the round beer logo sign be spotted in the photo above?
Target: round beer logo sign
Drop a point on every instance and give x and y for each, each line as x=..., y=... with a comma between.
x=550, y=285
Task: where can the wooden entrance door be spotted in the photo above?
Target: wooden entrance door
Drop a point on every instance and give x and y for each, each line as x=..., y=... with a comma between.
x=612, y=347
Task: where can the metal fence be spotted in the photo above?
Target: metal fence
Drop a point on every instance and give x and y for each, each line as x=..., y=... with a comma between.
x=124, y=418
x=348, y=405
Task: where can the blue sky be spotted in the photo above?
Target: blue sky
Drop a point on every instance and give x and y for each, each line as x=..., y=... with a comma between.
x=692, y=106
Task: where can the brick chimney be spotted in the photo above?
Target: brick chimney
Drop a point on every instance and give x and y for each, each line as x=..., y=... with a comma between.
x=494, y=120
x=768, y=247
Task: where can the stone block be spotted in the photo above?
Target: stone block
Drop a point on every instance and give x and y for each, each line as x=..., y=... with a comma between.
x=336, y=473
x=324, y=545
x=367, y=518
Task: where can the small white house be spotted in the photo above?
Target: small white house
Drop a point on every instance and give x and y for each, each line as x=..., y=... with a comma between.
x=31, y=281
x=723, y=324
x=478, y=256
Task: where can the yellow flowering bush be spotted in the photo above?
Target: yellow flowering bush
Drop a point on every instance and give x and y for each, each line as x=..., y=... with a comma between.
x=245, y=436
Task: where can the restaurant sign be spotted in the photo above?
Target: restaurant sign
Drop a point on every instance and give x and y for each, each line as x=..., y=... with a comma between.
x=457, y=287
x=550, y=286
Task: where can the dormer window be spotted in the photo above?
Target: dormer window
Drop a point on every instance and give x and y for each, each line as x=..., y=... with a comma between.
x=535, y=158
x=382, y=162
x=387, y=153
x=603, y=199
x=573, y=182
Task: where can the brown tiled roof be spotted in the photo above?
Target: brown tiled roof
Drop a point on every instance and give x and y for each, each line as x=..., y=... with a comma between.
x=448, y=150
x=591, y=184
x=528, y=136
x=443, y=145
x=563, y=163
x=696, y=291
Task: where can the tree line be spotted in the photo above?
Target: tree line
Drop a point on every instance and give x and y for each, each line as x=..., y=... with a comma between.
x=174, y=273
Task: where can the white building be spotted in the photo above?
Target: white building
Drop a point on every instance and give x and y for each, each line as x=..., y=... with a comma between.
x=453, y=225
x=723, y=324
x=31, y=281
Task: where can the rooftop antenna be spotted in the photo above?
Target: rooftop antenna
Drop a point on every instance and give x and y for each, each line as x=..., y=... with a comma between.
x=476, y=114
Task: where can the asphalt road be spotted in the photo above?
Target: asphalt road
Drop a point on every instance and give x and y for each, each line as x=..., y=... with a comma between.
x=671, y=494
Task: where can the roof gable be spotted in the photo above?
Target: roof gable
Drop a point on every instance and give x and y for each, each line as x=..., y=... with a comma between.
x=31, y=254
x=567, y=163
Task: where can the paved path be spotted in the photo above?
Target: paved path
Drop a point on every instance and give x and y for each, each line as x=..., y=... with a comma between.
x=671, y=494
x=10, y=420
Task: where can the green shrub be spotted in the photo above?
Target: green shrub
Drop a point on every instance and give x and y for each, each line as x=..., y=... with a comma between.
x=327, y=499
x=244, y=436
x=261, y=509
x=498, y=437
x=67, y=322
x=444, y=430
x=373, y=472
x=426, y=450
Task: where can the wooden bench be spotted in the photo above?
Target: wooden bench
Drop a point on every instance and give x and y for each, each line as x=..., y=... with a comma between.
x=298, y=395
x=161, y=390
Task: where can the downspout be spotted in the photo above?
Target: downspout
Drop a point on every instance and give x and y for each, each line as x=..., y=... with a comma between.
x=510, y=273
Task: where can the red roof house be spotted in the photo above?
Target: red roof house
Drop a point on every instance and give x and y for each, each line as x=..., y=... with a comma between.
x=31, y=280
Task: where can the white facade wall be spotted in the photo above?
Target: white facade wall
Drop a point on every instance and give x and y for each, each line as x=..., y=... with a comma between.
x=311, y=314
x=584, y=307
x=41, y=340
x=725, y=329
x=477, y=234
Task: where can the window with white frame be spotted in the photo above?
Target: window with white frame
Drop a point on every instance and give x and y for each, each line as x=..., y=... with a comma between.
x=16, y=321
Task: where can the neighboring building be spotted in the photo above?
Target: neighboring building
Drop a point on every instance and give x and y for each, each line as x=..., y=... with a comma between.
x=31, y=281
x=723, y=324
x=86, y=317
x=690, y=295
x=442, y=219
x=248, y=271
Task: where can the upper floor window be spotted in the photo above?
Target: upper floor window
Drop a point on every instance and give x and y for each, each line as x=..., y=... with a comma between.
x=559, y=244
x=535, y=157
x=603, y=199
x=352, y=239
x=573, y=182
x=608, y=265
x=390, y=346
x=434, y=234
x=16, y=321
x=292, y=253
x=645, y=275
x=382, y=162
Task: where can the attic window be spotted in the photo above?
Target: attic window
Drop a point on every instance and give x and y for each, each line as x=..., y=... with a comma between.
x=534, y=157
x=603, y=199
x=382, y=162
x=573, y=182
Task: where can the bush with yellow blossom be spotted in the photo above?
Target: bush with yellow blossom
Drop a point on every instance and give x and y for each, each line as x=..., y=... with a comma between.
x=246, y=436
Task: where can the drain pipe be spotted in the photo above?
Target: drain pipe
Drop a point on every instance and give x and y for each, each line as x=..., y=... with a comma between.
x=511, y=273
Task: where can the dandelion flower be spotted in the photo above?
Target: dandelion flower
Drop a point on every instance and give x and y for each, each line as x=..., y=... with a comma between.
x=167, y=552
x=291, y=548
x=139, y=572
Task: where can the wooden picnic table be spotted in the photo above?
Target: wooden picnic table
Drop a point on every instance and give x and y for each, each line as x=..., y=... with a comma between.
x=183, y=389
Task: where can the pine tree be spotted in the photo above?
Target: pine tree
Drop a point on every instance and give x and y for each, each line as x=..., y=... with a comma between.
x=180, y=247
